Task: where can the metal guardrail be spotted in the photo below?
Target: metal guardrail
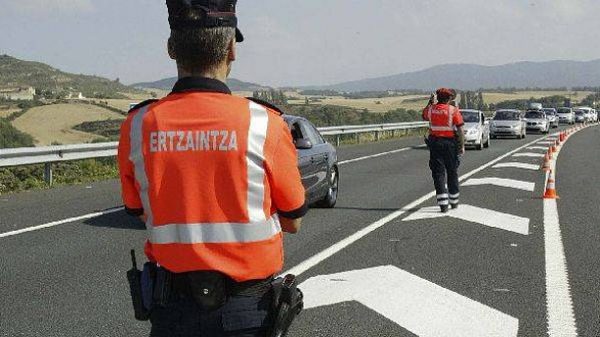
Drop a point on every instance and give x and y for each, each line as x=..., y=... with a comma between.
x=62, y=153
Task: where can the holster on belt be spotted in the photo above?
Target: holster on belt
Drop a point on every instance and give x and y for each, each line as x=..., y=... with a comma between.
x=288, y=303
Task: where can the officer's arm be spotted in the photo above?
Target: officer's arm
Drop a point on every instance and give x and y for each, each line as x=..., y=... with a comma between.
x=129, y=192
x=291, y=226
x=459, y=122
x=287, y=191
x=461, y=138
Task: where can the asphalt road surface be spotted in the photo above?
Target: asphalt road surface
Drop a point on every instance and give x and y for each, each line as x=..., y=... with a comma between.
x=382, y=263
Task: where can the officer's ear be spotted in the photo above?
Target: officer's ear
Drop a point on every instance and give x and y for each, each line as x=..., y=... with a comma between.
x=231, y=55
x=171, y=49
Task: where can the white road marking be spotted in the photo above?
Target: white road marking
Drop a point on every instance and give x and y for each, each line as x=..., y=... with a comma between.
x=543, y=148
x=420, y=306
x=510, y=183
x=302, y=267
x=344, y=162
x=561, y=318
x=547, y=143
x=523, y=166
x=60, y=222
x=483, y=216
x=529, y=155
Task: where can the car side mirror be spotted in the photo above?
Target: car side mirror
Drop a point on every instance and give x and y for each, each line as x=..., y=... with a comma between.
x=303, y=144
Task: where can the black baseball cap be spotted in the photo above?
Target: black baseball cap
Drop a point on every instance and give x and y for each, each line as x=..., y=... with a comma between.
x=216, y=13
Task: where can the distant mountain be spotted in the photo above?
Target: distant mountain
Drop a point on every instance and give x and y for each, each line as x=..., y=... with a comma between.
x=552, y=74
x=52, y=82
x=167, y=84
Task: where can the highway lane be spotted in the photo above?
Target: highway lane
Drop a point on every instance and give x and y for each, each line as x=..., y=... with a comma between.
x=579, y=209
x=70, y=277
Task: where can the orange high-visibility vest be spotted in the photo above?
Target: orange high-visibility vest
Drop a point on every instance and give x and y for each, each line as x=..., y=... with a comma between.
x=443, y=120
x=211, y=172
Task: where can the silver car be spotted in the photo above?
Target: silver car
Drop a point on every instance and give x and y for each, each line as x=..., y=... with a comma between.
x=580, y=116
x=566, y=116
x=552, y=117
x=476, y=129
x=508, y=123
x=537, y=121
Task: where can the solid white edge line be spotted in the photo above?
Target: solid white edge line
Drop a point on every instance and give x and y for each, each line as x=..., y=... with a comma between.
x=61, y=222
x=337, y=247
x=559, y=304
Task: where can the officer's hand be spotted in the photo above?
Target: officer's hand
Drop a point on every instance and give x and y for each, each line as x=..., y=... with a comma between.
x=462, y=151
x=432, y=99
x=291, y=226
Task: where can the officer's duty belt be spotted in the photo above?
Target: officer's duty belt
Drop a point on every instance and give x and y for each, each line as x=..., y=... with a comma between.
x=182, y=285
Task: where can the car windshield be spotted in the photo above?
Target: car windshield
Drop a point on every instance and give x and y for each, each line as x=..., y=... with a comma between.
x=549, y=112
x=564, y=110
x=534, y=114
x=470, y=116
x=506, y=116
x=579, y=112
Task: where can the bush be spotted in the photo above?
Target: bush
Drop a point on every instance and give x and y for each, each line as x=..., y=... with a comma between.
x=10, y=137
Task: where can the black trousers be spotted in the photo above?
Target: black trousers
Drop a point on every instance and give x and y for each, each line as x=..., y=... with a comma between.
x=241, y=316
x=444, y=163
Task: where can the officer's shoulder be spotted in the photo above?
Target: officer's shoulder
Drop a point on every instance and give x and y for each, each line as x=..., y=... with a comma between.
x=270, y=106
x=142, y=104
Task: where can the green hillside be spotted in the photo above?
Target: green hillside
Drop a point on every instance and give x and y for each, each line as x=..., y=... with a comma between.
x=53, y=83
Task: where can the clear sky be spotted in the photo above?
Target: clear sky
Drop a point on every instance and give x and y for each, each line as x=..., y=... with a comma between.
x=305, y=42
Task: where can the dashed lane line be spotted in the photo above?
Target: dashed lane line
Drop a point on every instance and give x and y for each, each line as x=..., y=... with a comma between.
x=311, y=262
x=61, y=222
x=544, y=148
x=344, y=162
x=518, y=165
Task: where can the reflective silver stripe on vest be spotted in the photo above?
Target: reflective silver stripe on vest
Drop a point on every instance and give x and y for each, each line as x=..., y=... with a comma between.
x=255, y=158
x=136, y=156
x=216, y=232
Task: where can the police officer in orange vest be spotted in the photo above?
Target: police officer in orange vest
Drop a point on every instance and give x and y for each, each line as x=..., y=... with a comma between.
x=215, y=179
x=446, y=143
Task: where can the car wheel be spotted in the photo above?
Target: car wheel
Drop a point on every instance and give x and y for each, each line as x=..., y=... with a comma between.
x=479, y=146
x=332, y=193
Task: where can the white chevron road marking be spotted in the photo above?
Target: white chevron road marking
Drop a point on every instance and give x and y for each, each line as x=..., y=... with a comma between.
x=510, y=183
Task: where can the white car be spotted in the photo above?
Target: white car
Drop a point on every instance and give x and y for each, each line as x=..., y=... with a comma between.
x=566, y=116
x=587, y=112
x=552, y=117
x=476, y=129
x=508, y=123
x=537, y=121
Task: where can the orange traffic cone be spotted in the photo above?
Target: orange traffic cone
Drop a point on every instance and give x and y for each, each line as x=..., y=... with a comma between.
x=550, y=192
x=546, y=164
x=551, y=150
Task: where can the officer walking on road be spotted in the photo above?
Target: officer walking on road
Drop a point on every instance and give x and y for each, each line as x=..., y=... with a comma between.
x=215, y=179
x=446, y=143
